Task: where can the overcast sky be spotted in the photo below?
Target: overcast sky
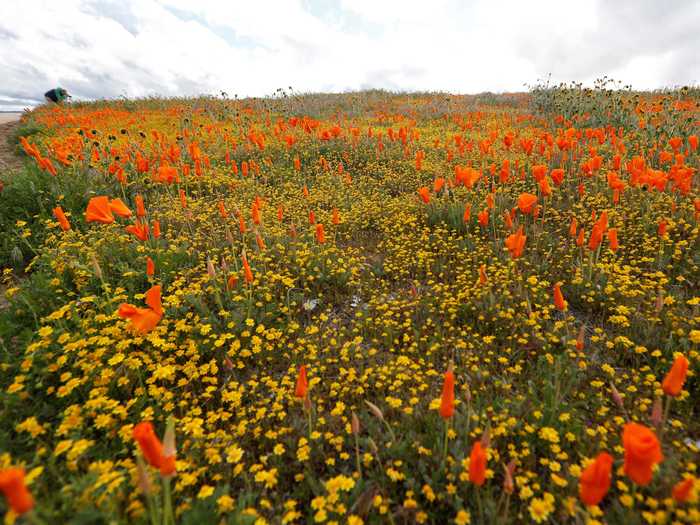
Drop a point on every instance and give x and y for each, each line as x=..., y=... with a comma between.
x=112, y=48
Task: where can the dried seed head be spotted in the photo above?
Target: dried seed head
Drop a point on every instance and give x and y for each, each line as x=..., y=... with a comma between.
x=355, y=424
x=96, y=267
x=617, y=398
x=144, y=480
x=508, y=485
x=656, y=413
x=210, y=269
x=375, y=410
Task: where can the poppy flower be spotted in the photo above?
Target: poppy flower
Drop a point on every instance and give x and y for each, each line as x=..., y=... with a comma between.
x=559, y=301
x=663, y=226
x=557, y=176
x=222, y=210
x=248, y=274
x=156, y=229
x=140, y=208
x=483, y=279
x=673, y=382
x=150, y=267
x=302, y=385
x=98, y=210
x=526, y=201
x=13, y=487
x=61, y=218
x=424, y=193
x=642, y=452
x=312, y=217
x=143, y=320
x=119, y=208
x=683, y=489
x=336, y=217
x=139, y=230
x=515, y=243
x=467, y=213
x=594, y=481
x=447, y=403
x=483, y=217
x=320, y=234
x=612, y=239
x=477, y=464
x=157, y=454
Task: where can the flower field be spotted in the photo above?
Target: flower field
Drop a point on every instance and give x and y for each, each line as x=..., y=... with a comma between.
x=361, y=308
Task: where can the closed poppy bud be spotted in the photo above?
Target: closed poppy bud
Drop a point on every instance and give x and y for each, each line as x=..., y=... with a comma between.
x=477, y=464
x=61, y=218
x=612, y=239
x=581, y=339
x=13, y=486
x=336, y=217
x=508, y=484
x=483, y=279
x=149, y=444
x=674, y=380
x=594, y=482
x=447, y=403
x=573, y=227
x=682, y=490
x=183, y=198
x=247, y=272
x=156, y=229
x=559, y=301
x=280, y=213
x=150, y=267
x=424, y=194
x=302, y=385
x=663, y=226
x=467, y=213
x=320, y=234
x=167, y=466
x=642, y=452
x=312, y=217
x=140, y=208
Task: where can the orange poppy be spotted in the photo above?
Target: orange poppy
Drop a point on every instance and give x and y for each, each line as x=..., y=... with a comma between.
x=515, y=243
x=467, y=213
x=98, y=210
x=559, y=301
x=595, y=479
x=424, y=193
x=683, y=489
x=477, y=464
x=663, y=225
x=119, y=208
x=526, y=201
x=12, y=485
x=150, y=267
x=483, y=279
x=675, y=378
x=61, y=218
x=312, y=217
x=302, y=385
x=612, y=239
x=336, y=217
x=143, y=320
x=447, y=403
x=642, y=452
x=557, y=176
x=483, y=217
x=156, y=229
x=320, y=234
x=140, y=208
x=153, y=451
x=248, y=274
x=140, y=230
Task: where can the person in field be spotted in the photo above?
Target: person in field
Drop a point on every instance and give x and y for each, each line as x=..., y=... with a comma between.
x=56, y=95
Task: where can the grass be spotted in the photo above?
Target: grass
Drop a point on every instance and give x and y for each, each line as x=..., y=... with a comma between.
x=377, y=313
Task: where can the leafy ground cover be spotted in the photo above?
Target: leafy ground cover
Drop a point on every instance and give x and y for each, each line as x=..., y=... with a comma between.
x=363, y=308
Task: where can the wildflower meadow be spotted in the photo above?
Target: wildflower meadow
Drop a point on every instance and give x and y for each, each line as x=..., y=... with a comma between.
x=356, y=308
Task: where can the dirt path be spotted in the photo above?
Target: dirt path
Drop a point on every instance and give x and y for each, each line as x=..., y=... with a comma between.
x=8, y=158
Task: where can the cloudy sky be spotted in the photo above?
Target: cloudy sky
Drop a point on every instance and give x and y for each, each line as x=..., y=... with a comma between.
x=112, y=48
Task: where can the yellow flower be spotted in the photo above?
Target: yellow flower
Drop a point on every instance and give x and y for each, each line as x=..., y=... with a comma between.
x=463, y=518
x=205, y=491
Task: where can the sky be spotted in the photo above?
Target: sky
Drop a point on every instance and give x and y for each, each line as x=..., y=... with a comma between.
x=134, y=48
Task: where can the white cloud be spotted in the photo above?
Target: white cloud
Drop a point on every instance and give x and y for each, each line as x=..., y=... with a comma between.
x=108, y=48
